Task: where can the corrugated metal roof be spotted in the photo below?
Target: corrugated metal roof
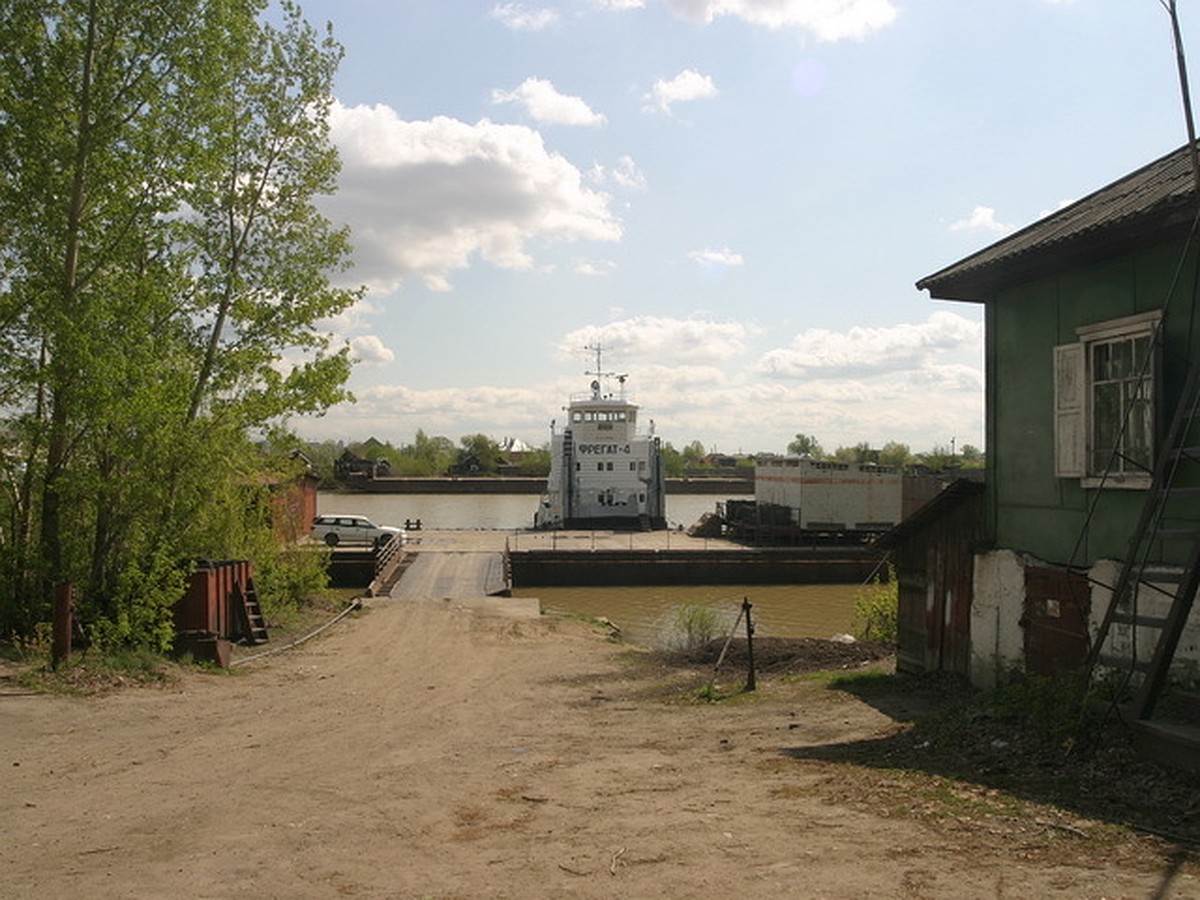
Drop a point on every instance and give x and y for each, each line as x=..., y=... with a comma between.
x=1158, y=197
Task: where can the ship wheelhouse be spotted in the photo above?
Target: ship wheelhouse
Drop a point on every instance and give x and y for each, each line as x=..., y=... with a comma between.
x=604, y=473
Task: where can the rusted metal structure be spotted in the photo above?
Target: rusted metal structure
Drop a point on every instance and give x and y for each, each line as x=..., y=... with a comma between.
x=220, y=607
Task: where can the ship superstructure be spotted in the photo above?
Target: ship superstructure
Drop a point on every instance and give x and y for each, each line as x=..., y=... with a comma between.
x=604, y=472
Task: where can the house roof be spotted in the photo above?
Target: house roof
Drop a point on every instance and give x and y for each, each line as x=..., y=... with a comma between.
x=1155, y=203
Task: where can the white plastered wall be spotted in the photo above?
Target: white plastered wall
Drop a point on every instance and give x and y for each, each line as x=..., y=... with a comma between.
x=997, y=641
x=1124, y=639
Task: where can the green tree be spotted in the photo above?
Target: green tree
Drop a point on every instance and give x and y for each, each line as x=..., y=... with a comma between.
x=426, y=456
x=859, y=453
x=479, y=455
x=806, y=445
x=693, y=454
x=895, y=454
x=536, y=463
x=972, y=457
x=161, y=253
x=674, y=465
x=938, y=458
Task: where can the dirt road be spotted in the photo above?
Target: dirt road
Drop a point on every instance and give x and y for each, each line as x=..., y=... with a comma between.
x=465, y=747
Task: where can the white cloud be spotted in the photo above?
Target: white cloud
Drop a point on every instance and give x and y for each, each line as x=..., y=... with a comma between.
x=862, y=350
x=519, y=17
x=625, y=174
x=688, y=85
x=593, y=267
x=720, y=259
x=619, y=4
x=1062, y=204
x=424, y=198
x=451, y=412
x=370, y=350
x=828, y=20
x=698, y=379
x=982, y=218
x=544, y=103
x=661, y=339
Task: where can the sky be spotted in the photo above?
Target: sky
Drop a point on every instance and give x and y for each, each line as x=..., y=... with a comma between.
x=733, y=198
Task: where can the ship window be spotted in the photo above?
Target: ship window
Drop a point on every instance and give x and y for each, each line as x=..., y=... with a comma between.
x=577, y=416
x=599, y=467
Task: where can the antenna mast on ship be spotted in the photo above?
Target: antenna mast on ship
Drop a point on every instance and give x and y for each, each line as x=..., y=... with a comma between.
x=600, y=374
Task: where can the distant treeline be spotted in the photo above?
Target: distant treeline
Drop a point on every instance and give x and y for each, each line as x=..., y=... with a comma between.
x=894, y=454
x=480, y=455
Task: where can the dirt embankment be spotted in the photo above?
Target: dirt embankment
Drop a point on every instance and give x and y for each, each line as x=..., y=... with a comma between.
x=432, y=748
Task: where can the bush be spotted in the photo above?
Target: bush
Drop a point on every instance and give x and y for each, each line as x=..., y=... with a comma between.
x=287, y=577
x=876, y=606
x=695, y=625
x=141, y=608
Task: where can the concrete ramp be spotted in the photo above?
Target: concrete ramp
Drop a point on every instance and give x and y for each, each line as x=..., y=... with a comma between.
x=452, y=575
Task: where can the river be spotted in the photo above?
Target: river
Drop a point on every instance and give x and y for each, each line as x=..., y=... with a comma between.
x=504, y=512
x=646, y=615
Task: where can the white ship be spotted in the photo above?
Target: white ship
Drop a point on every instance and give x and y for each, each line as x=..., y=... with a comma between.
x=603, y=472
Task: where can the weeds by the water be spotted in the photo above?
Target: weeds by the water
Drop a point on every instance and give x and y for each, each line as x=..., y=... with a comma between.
x=695, y=625
x=876, y=606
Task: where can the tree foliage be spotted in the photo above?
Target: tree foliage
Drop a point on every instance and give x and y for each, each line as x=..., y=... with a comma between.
x=161, y=257
x=806, y=445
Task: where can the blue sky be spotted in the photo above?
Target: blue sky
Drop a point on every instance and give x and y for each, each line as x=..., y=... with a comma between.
x=734, y=197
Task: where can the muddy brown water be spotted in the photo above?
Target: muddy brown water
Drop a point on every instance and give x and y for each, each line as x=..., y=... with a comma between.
x=649, y=616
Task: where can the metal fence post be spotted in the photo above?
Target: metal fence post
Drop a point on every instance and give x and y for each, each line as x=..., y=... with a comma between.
x=751, y=684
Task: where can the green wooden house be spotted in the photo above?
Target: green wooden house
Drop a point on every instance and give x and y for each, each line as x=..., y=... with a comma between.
x=1091, y=321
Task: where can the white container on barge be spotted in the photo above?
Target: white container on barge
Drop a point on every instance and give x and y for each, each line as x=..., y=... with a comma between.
x=832, y=497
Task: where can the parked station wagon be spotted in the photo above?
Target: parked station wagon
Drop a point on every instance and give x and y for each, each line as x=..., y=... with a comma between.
x=334, y=530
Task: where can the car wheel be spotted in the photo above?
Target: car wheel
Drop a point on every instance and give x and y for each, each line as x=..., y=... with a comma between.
x=331, y=539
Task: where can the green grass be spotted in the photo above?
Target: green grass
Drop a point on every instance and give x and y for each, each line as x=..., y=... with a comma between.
x=85, y=673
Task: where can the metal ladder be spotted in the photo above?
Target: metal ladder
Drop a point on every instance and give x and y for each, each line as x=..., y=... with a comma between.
x=251, y=624
x=1163, y=560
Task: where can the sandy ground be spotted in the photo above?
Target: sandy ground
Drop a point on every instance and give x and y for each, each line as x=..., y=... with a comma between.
x=470, y=747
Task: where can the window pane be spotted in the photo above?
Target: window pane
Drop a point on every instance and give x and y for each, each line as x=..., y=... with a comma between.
x=1120, y=365
x=1141, y=349
x=1122, y=405
x=1106, y=423
x=1138, y=431
x=1100, y=362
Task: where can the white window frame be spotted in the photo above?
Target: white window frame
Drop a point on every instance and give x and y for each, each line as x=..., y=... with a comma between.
x=1075, y=405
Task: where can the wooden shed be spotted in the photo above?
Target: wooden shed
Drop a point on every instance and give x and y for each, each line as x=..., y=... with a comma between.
x=932, y=554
